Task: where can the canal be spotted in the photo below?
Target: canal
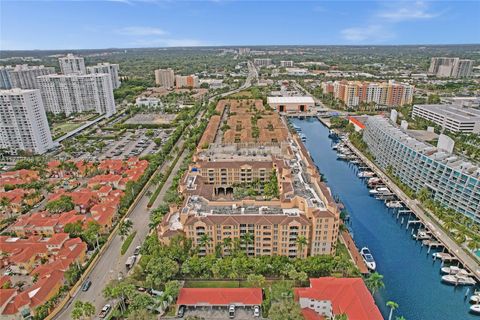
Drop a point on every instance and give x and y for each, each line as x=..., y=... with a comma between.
x=411, y=276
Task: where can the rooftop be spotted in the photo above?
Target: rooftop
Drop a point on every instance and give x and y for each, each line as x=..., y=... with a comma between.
x=452, y=111
x=220, y=296
x=304, y=99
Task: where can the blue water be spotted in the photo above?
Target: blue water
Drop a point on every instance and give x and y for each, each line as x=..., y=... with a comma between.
x=411, y=277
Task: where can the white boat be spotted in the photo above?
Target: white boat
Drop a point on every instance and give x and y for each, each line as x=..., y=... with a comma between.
x=458, y=279
x=394, y=204
x=368, y=258
x=422, y=235
x=379, y=190
x=335, y=146
x=475, y=308
x=366, y=174
x=442, y=255
x=454, y=270
x=475, y=298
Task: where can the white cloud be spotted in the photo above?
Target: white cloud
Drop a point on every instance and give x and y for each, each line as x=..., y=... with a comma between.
x=371, y=33
x=403, y=11
x=142, y=31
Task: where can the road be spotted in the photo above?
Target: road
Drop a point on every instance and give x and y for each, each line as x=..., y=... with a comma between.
x=433, y=225
x=111, y=264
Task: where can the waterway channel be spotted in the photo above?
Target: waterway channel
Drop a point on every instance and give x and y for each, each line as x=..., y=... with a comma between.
x=411, y=276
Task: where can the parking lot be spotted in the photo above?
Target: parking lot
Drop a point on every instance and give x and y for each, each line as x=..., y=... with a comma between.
x=241, y=313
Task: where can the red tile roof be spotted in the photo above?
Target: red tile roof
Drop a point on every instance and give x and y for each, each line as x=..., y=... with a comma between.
x=356, y=122
x=347, y=295
x=220, y=296
x=309, y=314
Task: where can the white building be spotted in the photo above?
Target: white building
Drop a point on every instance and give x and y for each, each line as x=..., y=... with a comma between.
x=76, y=93
x=72, y=64
x=243, y=51
x=452, y=117
x=25, y=77
x=111, y=69
x=291, y=104
x=148, y=102
x=262, y=62
x=23, y=122
x=165, y=78
x=286, y=64
x=445, y=67
x=5, y=82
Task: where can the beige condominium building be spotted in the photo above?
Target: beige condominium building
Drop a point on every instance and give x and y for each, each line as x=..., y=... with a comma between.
x=253, y=186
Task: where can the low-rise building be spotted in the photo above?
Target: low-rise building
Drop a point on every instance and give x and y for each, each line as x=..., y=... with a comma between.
x=329, y=297
x=291, y=104
x=190, y=81
x=452, y=117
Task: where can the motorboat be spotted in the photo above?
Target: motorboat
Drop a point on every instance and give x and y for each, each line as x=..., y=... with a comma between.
x=454, y=270
x=379, y=190
x=475, y=308
x=458, y=279
x=442, y=256
x=368, y=258
x=335, y=146
x=366, y=174
x=422, y=235
x=475, y=298
x=394, y=204
x=373, y=181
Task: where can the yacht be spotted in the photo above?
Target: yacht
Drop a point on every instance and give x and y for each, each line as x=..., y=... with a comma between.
x=368, y=258
x=379, y=190
x=475, y=308
x=442, y=256
x=458, y=279
x=422, y=235
x=475, y=298
x=394, y=204
x=366, y=174
x=453, y=270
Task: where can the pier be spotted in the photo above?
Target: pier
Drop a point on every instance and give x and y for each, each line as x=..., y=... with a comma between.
x=449, y=244
x=354, y=253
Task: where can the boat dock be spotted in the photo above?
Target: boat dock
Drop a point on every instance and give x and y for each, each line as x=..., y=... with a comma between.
x=419, y=216
x=353, y=251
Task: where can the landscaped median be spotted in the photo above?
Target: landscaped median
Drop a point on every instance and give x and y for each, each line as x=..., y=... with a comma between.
x=126, y=243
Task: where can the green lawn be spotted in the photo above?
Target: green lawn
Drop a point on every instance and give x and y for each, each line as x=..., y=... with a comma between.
x=212, y=284
x=64, y=128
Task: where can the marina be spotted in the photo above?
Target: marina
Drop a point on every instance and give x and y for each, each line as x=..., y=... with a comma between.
x=409, y=251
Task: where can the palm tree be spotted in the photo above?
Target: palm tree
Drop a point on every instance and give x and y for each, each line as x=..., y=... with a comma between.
x=393, y=306
x=342, y=316
x=227, y=244
x=473, y=244
x=248, y=239
x=125, y=228
x=4, y=204
x=204, y=240
x=400, y=318
x=301, y=243
x=375, y=282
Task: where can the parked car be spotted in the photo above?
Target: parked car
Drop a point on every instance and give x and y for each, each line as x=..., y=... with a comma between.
x=181, y=312
x=86, y=285
x=256, y=311
x=136, y=252
x=231, y=311
x=105, y=310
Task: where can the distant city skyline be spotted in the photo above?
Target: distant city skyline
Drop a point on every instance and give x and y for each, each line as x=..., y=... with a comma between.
x=99, y=24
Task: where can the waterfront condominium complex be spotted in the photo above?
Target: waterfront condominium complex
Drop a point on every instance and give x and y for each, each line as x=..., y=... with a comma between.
x=72, y=64
x=452, y=117
x=187, y=81
x=353, y=93
x=25, y=77
x=252, y=186
x=23, y=122
x=5, y=82
x=78, y=93
x=165, y=78
x=262, y=62
x=452, y=181
x=445, y=67
x=110, y=68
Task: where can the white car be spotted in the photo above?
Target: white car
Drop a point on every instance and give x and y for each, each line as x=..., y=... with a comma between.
x=231, y=311
x=105, y=310
x=256, y=311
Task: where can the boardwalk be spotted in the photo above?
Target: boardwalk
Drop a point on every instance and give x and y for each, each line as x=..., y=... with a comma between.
x=353, y=250
x=468, y=262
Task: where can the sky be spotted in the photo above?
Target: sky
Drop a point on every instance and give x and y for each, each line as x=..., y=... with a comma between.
x=95, y=24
